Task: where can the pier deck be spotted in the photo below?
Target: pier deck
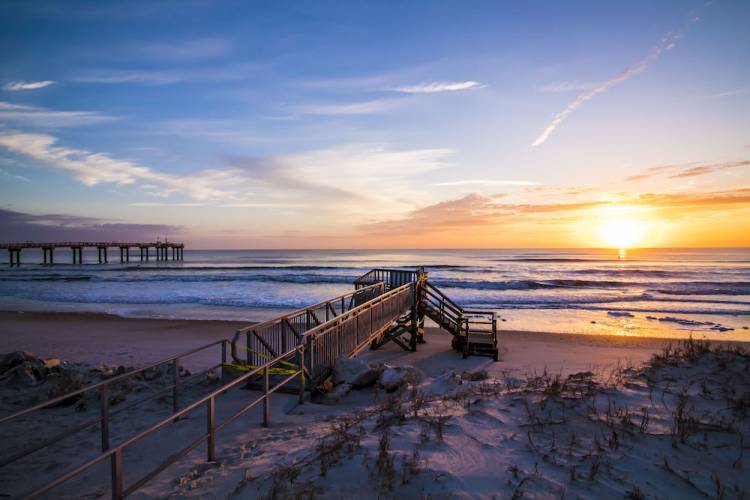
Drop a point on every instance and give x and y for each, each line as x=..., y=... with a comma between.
x=48, y=250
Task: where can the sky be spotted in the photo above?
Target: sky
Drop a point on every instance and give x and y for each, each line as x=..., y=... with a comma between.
x=231, y=124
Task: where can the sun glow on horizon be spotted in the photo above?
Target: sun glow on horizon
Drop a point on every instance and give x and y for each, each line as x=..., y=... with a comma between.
x=622, y=231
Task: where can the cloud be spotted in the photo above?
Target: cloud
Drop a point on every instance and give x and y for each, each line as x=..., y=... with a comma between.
x=45, y=118
x=488, y=183
x=710, y=169
x=692, y=169
x=95, y=168
x=16, y=86
x=11, y=175
x=475, y=210
x=728, y=93
x=186, y=50
x=153, y=77
x=19, y=226
x=560, y=87
x=667, y=43
x=353, y=108
x=347, y=179
x=434, y=87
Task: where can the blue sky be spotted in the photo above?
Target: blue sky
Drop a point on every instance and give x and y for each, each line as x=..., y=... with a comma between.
x=319, y=124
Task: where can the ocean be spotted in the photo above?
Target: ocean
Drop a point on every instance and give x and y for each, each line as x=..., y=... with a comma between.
x=659, y=292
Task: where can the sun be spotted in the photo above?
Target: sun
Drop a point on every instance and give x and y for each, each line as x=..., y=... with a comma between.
x=622, y=231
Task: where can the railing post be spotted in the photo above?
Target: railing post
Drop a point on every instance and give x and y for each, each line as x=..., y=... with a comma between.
x=211, y=428
x=247, y=348
x=266, y=404
x=414, y=319
x=301, y=366
x=308, y=352
x=104, y=406
x=176, y=381
x=223, y=360
x=117, y=475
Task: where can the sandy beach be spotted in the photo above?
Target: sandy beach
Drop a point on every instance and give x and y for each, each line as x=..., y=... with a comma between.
x=112, y=340
x=510, y=414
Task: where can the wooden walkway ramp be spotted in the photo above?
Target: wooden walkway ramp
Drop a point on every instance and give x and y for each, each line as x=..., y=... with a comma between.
x=296, y=351
x=386, y=306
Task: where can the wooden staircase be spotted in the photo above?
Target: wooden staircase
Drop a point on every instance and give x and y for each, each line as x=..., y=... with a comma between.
x=474, y=331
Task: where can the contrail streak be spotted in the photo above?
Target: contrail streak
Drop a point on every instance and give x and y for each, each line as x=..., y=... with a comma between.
x=667, y=43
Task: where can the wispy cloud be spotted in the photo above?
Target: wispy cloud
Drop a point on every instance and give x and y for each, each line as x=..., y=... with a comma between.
x=156, y=77
x=434, y=87
x=560, y=87
x=728, y=93
x=16, y=86
x=186, y=50
x=352, y=108
x=692, y=169
x=487, y=183
x=47, y=118
x=344, y=176
x=666, y=43
x=95, y=168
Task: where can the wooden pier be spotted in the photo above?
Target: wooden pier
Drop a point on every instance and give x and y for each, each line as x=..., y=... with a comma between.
x=163, y=250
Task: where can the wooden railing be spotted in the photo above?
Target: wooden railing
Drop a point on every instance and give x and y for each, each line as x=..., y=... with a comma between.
x=392, y=278
x=444, y=311
x=351, y=332
x=18, y=421
x=270, y=338
x=114, y=455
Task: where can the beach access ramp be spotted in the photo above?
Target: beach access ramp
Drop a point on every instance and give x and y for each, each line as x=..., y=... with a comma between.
x=296, y=352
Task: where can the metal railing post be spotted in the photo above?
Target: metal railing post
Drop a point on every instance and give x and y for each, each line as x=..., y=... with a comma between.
x=247, y=348
x=301, y=366
x=117, y=475
x=104, y=406
x=223, y=360
x=265, y=397
x=176, y=381
x=211, y=428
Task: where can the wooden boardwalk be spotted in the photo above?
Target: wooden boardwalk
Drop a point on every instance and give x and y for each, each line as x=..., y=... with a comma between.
x=296, y=351
x=163, y=249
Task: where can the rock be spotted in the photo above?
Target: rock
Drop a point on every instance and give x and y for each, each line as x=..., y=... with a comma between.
x=50, y=363
x=58, y=384
x=20, y=376
x=22, y=369
x=354, y=372
x=474, y=376
x=394, y=377
x=337, y=394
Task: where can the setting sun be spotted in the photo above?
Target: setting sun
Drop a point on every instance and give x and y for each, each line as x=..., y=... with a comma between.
x=622, y=232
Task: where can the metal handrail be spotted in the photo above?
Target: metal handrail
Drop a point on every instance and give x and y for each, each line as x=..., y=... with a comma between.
x=105, y=414
x=100, y=419
x=109, y=381
x=303, y=310
x=353, y=312
x=356, y=339
x=116, y=472
x=300, y=316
